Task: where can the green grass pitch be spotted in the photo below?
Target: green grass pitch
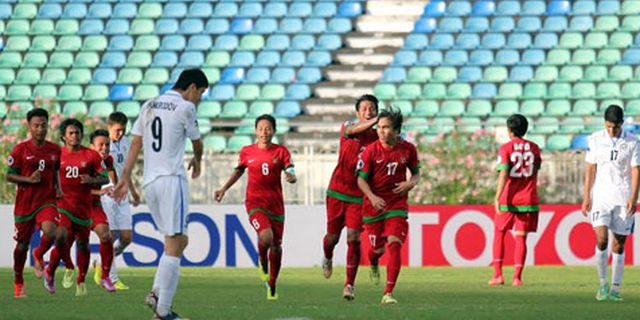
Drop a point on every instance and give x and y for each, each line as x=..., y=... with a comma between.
x=423, y=293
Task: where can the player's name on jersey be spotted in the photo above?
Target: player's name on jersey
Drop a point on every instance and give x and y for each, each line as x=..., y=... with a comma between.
x=170, y=106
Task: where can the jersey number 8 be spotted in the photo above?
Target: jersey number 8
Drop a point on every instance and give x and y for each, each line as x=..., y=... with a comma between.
x=522, y=164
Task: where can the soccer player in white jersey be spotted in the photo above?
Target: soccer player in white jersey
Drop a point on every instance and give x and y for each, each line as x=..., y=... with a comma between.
x=161, y=130
x=119, y=213
x=611, y=194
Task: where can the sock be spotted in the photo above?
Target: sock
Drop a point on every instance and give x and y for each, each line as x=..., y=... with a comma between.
x=353, y=261
x=328, y=248
x=263, y=252
x=601, y=264
x=275, y=260
x=113, y=272
x=65, y=252
x=169, y=272
x=498, y=252
x=54, y=259
x=19, y=259
x=106, y=257
x=393, y=265
x=617, y=266
x=519, y=255
x=84, y=255
x=45, y=245
x=374, y=256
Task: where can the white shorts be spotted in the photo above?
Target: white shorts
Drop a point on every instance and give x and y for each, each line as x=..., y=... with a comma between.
x=119, y=214
x=615, y=219
x=168, y=201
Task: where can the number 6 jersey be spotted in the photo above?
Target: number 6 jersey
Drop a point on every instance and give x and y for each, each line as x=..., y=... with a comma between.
x=521, y=158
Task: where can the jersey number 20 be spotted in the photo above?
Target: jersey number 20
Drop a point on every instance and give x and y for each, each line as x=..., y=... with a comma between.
x=522, y=164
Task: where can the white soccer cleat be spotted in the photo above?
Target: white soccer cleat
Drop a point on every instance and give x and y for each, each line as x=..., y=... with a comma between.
x=327, y=267
x=349, y=292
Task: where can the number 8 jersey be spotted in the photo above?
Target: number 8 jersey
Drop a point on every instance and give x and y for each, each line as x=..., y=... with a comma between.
x=521, y=158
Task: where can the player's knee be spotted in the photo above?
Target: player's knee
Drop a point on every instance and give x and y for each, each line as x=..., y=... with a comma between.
x=82, y=246
x=333, y=237
x=22, y=246
x=49, y=234
x=353, y=235
x=601, y=244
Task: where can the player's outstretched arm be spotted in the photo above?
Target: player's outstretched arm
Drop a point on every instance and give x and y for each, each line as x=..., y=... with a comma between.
x=502, y=181
x=197, y=158
x=377, y=202
x=34, y=178
x=235, y=176
x=122, y=188
x=360, y=127
x=589, y=178
x=633, y=199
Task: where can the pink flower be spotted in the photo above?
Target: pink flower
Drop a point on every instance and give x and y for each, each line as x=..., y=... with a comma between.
x=434, y=161
x=7, y=122
x=475, y=192
x=15, y=107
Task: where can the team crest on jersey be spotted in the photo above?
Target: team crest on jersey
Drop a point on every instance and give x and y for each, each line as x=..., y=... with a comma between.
x=403, y=160
x=275, y=160
x=623, y=147
x=83, y=164
x=10, y=160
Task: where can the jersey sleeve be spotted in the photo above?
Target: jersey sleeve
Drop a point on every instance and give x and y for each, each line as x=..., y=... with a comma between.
x=635, y=154
x=242, y=160
x=286, y=159
x=191, y=123
x=364, y=167
x=503, y=159
x=591, y=150
x=343, y=130
x=98, y=168
x=108, y=163
x=413, y=164
x=138, y=126
x=14, y=161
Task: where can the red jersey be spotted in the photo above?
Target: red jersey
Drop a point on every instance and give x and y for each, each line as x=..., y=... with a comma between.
x=344, y=185
x=264, y=188
x=522, y=158
x=24, y=160
x=77, y=196
x=107, y=164
x=383, y=167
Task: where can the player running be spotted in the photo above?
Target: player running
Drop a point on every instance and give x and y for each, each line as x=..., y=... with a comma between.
x=344, y=199
x=264, y=202
x=611, y=195
x=516, y=202
x=162, y=128
x=382, y=177
x=33, y=167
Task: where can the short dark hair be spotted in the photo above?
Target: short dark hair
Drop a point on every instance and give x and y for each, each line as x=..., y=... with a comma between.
x=267, y=117
x=518, y=124
x=394, y=115
x=614, y=114
x=99, y=133
x=367, y=97
x=117, y=117
x=37, y=112
x=70, y=122
x=191, y=76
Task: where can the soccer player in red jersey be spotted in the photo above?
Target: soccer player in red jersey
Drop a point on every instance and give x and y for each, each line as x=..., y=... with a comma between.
x=80, y=168
x=382, y=177
x=344, y=199
x=33, y=166
x=264, y=202
x=100, y=143
x=516, y=202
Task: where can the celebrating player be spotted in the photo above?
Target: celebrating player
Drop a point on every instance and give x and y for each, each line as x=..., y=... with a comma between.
x=33, y=166
x=344, y=199
x=611, y=194
x=119, y=213
x=265, y=161
x=161, y=130
x=80, y=169
x=382, y=177
x=516, y=202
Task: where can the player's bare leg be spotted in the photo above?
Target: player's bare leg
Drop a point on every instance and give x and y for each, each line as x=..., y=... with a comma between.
x=602, y=261
x=166, y=279
x=101, y=275
x=353, y=261
x=498, y=257
x=119, y=245
x=520, y=254
x=617, y=266
x=394, y=246
x=47, y=239
x=329, y=243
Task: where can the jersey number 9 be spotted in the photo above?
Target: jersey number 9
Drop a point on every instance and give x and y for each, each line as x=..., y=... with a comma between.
x=156, y=132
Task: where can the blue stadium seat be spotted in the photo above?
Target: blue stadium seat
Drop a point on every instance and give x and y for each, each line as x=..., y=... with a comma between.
x=469, y=74
x=200, y=42
x=450, y=24
x=175, y=74
x=226, y=42
x=174, y=10
x=558, y=8
x=329, y=42
x=91, y=27
x=200, y=10
x=104, y=76
x=293, y=59
x=290, y=25
x=521, y=74
x=299, y=9
x=555, y=24
x=226, y=9
x=481, y=58
x=319, y=59
x=483, y=8
x=174, y=42
x=528, y=24
x=324, y=9
x=221, y=92
x=50, y=11
x=425, y=25
x=275, y=10
x=429, y=58
x=277, y=42
x=508, y=8
x=113, y=59
x=416, y=41
x=533, y=8
x=456, y=57
x=283, y=75
x=406, y=58
x=298, y=92
x=124, y=10
x=607, y=7
x=350, y=9
x=581, y=23
x=580, y=142
x=631, y=56
x=394, y=74
x=532, y=57
x=165, y=59
x=467, y=41
x=583, y=8
x=507, y=57
x=442, y=41
x=258, y=75
x=493, y=41
x=287, y=109
x=434, y=9
x=459, y=8
x=166, y=26
x=232, y=76
x=242, y=59
x=99, y=10
x=268, y=59
x=484, y=91
x=314, y=25
x=191, y=59
x=116, y=26
x=216, y=26
x=309, y=75
x=502, y=24
x=519, y=41
x=120, y=43
x=191, y=26
x=74, y=11
x=121, y=92
x=476, y=25
x=5, y=11
x=339, y=25
x=546, y=40
x=302, y=42
x=241, y=26
x=250, y=10
x=265, y=26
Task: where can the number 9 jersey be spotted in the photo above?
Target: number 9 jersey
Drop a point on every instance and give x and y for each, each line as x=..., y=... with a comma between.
x=521, y=158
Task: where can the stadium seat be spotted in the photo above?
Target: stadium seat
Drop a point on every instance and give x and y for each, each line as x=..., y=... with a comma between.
x=191, y=26
x=121, y=92
x=166, y=59
x=216, y=26
x=507, y=57
x=532, y=108
x=5, y=11
x=45, y=91
x=570, y=73
x=104, y=76
x=205, y=10
x=586, y=107
x=116, y=26
x=558, y=108
x=606, y=90
x=606, y=23
x=434, y=9
x=534, y=90
x=533, y=8
x=507, y=8
x=297, y=92
x=545, y=125
x=139, y=59
x=329, y=42
x=237, y=142
x=469, y=74
x=141, y=26
x=408, y=91
x=74, y=109
x=48, y=43
x=209, y=109
x=555, y=24
x=495, y=74
x=241, y=26
x=78, y=76
x=570, y=40
x=583, y=57
x=595, y=40
x=476, y=25
x=425, y=25
x=147, y=43
x=450, y=25
x=302, y=42
x=309, y=75
x=434, y=91
x=242, y=59
x=620, y=73
x=166, y=26
x=631, y=24
x=481, y=58
x=407, y=58
x=283, y=75
x=631, y=56
x=233, y=109
x=444, y=74
x=24, y=11
x=545, y=40
x=466, y=41
x=27, y=76
x=484, y=91
x=350, y=9
x=456, y=58
x=502, y=24
x=559, y=90
x=608, y=56
x=505, y=108
x=483, y=8
x=86, y=60
x=631, y=90
x=458, y=8
x=519, y=41
x=267, y=59
x=156, y=76
x=339, y=25
x=258, y=108
x=426, y=58
x=521, y=74
x=493, y=41
x=583, y=8
x=129, y=76
x=226, y=9
x=608, y=7
x=426, y=108
x=620, y=40
x=257, y=75
x=191, y=59
x=581, y=24
x=595, y=73
x=452, y=108
x=18, y=93
x=580, y=142
x=124, y=10
x=558, y=8
x=632, y=108
x=558, y=142
x=96, y=93
x=418, y=74
x=478, y=108
x=442, y=41
x=32, y=60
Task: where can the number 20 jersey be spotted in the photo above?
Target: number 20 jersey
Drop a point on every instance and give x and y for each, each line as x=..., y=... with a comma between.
x=165, y=123
x=521, y=158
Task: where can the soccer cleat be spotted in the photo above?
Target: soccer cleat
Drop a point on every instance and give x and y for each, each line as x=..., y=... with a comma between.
x=374, y=274
x=272, y=295
x=49, y=284
x=151, y=300
x=81, y=289
x=68, y=278
x=615, y=296
x=107, y=285
x=603, y=292
x=171, y=316
x=516, y=282
x=348, y=293
x=18, y=290
x=264, y=275
x=388, y=299
x=327, y=268
x=496, y=281
x=38, y=266
x=120, y=286
x=97, y=272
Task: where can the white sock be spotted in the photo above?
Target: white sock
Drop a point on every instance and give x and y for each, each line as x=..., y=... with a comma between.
x=169, y=271
x=113, y=274
x=601, y=264
x=617, y=266
x=157, y=279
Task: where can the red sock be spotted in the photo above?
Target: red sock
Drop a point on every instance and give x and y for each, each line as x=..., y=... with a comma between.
x=374, y=256
x=19, y=259
x=393, y=265
x=45, y=245
x=106, y=257
x=65, y=252
x=328, y=248
x=498, y=252
x=519, y=255
x=353, y=261
x=263, y=252
x=83, y=260
x=54, y=259
x=275, y=259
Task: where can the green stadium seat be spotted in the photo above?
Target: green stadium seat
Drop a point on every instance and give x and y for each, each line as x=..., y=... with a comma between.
x=630, y=7
x=586, y=107
x=60, y=60
x=607, y=90
x=94, y=43
x=546, y=125
x=17, y=27
x=609, y=56
x=583, y=57
x=130, y=108
x=214, y=143
x=69, y=43
x=433, y=91
x=418, y=75
x=236, y=143
x=444, y=74
x=251, y=42
x=570, y=40
x=44, y=91
x=17, y=43
x=559, y=90
x=147, y=43
x=572, y=125
x=559, y=142
x=7, y=76
x=632, y=108
x=66, y=27
x=96, y=93
x=631, y=90
x=546, y=74
x=408, y=91
x=74, y=109
x=459, y=91
x=269, y=92
x=470, y=125
x=282, y=124
x=24, y=11
x=157, y=76
x=258, y=108
x=27, y=76
x=510, y=91
x=35, y=60
x=43, y=43
x=41, y=27
x=129, y=76
x=570, y=73
x=86, y=60
x=426, y=108
x=505, y=108
x=558, y=57
x=558, y=108
x=70, y=92
x=234, y=109
x=606, y=23
x=385, y=91
x=10, y=59
x=141, y=26
x=441, y=124
x=620, y=40
x=213, y=74
x=631, y=24
x=146, y=92
x=534, y=90
x=595, y=40
x=532, y=108
x=139, y=59
x=637, y=74
x=452, y=108
x=583, y=90
x=78, y=76
x=495, y=122
x=414, y=124
x=478, y=108
x=2, y=27
x=218, y=59
x=595, y=73
x=3, y=106
x=101, y=109
x=604, y=104
x=53, y=76
x=495, y=74
x=209, y=109
x=620, y=73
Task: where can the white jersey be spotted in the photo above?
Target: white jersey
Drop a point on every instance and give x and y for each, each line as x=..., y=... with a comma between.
x=165, y=123
x=119, y=151
x=614, y=158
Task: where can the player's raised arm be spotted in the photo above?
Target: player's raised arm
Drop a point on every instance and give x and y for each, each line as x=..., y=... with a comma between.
x=360, y=127
x=122, y=188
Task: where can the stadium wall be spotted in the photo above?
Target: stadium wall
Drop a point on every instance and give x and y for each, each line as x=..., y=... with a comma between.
x=221, y=236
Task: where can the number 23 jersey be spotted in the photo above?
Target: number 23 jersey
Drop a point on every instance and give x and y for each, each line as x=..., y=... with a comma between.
x=521, y=158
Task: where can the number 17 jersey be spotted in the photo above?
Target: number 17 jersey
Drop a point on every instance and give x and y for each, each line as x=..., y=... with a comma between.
x=521, y=158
